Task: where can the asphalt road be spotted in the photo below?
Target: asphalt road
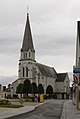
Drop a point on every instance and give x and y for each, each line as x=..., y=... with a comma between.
x=49, y=110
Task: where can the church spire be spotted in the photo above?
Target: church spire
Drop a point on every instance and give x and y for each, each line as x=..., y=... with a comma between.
x=27, y=39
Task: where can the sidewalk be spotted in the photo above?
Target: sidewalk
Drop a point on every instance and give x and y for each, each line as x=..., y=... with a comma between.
x=5, y=113
x=9, y=112
x=70, y=111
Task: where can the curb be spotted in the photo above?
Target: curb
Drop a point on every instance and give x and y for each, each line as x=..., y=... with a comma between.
x=64, y=111
x=13, y=114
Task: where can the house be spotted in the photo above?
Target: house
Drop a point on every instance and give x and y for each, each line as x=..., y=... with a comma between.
x=62, y=86
x=2, y=91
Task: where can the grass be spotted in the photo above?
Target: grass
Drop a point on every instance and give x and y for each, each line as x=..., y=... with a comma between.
x=10, y=106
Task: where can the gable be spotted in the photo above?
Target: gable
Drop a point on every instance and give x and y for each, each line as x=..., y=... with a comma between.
x=61, y=77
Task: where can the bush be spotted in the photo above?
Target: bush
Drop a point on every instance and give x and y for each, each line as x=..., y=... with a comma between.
x=45, y=97
x=21, y=101
x=55, y=96
x=4, y=102
x=50, y=96
x=8, y=97
x=10, y=106
x=15, y=96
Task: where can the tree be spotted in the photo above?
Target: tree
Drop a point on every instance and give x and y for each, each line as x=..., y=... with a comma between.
x=34, y=88
x=40, y=89
x=49, y=90
x=19, y=89
x=27, y=88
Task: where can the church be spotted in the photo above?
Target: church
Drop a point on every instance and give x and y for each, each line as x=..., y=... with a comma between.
x=36, y=72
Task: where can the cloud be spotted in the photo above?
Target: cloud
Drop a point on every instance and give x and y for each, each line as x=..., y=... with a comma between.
x=7, y=80
x=11, y=12
x=53, y=25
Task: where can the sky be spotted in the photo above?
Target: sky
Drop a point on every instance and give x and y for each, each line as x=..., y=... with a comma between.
x=54, y=30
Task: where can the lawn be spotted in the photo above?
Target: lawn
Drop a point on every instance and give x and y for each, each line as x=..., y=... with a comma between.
x=7, y=104
x=10, y=106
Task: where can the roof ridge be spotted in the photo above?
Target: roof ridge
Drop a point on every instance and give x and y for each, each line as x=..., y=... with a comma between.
x=45, y=65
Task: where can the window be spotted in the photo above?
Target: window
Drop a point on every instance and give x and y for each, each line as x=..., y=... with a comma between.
x=23, y=72
x=26, y=71
x=29, y=54
x=79, y=61
x=26, y=55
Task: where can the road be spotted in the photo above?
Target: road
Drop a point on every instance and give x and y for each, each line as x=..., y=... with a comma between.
x=49, y=110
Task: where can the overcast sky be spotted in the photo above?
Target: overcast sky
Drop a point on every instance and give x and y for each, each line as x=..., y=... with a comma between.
x=54, y=29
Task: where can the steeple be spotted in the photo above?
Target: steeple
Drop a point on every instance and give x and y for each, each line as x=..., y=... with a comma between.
x=27, y=39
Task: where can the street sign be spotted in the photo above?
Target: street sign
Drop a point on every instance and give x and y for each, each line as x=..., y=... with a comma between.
x=76, y=70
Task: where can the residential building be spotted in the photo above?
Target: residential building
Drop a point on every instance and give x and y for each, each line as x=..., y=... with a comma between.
x=62, y=86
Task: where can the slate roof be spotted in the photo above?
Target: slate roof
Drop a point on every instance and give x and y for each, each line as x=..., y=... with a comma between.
x=46, y=70
x=27, y=39
x=61, y=77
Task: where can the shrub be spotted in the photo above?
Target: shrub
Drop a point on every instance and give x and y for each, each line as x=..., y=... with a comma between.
x=4, y=102
x=45, y=96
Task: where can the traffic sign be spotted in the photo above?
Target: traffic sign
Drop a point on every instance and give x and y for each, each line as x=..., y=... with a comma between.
x=76, y=70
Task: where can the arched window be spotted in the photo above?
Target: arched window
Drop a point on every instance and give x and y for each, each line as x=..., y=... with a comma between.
x=29, y=54
x=23, y=72
x=26, y=71
x=26, y=55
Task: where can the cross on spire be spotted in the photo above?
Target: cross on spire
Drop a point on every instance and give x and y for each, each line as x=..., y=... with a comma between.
x=27, y=9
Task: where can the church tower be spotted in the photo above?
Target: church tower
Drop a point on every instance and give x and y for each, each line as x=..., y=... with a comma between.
x=27, y=61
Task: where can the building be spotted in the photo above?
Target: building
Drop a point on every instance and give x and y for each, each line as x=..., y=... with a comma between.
x=29, y=68
x=2, y=91
x=62, y=86
x=76, y=75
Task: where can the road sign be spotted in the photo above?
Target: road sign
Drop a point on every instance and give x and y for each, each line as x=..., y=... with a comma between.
x=76, y=70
